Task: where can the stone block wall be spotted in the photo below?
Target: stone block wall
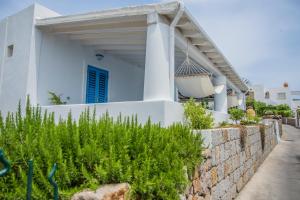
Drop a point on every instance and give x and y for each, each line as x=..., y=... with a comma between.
x=232, y=157
x=290, y=121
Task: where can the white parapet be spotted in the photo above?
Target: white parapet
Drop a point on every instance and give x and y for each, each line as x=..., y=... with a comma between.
x=163, y=112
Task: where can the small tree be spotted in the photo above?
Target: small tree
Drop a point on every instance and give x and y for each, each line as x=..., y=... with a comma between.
x=197, y=116
x=250, y=101
x=260, y=108
x=236, y=114
x=284, y=110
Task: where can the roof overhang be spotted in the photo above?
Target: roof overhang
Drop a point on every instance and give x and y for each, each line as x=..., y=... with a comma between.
x=125, y=29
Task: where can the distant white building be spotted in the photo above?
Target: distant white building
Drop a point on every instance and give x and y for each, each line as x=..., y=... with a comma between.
x=121, y=61
x=276, y=96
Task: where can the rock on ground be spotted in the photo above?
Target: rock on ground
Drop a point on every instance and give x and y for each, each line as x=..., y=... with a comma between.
x=105, y=192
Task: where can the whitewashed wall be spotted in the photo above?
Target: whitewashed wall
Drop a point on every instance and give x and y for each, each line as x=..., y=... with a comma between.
x=63, y=65
x=260, y=90
x=126, y=80
x=59, y=68
x=17, y=31
x=18, y=73
x=163, y=112
x=274, y=96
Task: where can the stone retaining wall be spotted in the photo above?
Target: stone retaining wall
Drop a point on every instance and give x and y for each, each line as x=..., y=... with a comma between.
x=229, y=164
x=290, y=121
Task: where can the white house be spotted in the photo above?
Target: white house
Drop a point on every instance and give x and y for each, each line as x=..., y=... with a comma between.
x=121, y=61
x=276, y=96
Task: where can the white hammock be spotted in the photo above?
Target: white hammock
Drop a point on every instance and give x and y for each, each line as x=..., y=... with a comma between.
x=232, y=101
x=192, y=80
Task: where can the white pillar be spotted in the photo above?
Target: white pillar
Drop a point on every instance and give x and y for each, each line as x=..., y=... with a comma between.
x=242, y=101
x=157, y=72
x=220, y=97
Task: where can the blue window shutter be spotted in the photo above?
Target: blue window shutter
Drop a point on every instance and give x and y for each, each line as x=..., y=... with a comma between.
x=102, y=91
x=97, y=85
x=91, y=86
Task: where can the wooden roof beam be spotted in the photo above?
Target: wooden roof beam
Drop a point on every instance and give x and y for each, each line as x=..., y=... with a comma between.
x=121, y=47
x=113, y=42
x=200, y=42
x=102, y=31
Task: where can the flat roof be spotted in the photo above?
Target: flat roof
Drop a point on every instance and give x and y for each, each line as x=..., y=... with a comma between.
x=102, y=22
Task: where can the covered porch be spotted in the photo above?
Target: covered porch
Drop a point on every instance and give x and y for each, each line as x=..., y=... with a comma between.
x=124, y=61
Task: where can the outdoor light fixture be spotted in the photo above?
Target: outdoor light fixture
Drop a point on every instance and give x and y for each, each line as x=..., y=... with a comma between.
x=99, y=56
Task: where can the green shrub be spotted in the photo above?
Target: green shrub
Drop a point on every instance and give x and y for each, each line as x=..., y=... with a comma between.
x=197, y=116
x=250, y=102
x=251, y=121
x=260, y=107
x=269, y=112
x=236, y=114
x=224, y=124
x=94, y=151
x=284, y=110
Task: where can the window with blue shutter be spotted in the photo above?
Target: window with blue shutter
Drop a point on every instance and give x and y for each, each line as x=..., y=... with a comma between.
x=97, y=85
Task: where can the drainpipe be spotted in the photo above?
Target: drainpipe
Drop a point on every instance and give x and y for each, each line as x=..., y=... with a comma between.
x=172, y=48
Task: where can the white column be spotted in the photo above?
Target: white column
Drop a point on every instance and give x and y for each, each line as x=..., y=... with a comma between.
x=242, y=101
x=220, y=97
x=157, y=73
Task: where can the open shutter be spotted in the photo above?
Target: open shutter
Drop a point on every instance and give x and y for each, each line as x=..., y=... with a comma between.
x=102, y=84
x=91, y=85
x=97, y=85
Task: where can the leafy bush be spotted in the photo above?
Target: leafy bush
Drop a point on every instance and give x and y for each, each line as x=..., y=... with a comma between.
x=251, y=121
x=94, y=151
x=269, y=112
x=260, y=107
x=249, y=102
x=224, y=124
x=284, y=110
x=236, y=114
x=197, y=116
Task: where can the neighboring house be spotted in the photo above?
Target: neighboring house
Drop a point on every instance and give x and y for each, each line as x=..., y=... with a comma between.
x=120, y=61
x=276, y=96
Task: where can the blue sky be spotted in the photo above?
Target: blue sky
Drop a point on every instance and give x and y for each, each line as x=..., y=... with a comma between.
x=261, y=38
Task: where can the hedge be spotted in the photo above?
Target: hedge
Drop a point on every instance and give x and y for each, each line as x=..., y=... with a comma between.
x=95, y=151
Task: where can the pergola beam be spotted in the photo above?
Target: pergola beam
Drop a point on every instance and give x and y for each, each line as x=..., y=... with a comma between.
x=120, y=52
x=98, y=26
x=121, y=47
x=191, y=33
x=213, y=55
x=183, y=22
x=112, y=42
x=218, y=60
x=131, y=35
x=199, y=42
x=207, y=49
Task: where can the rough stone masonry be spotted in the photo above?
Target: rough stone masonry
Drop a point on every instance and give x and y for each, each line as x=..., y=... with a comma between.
x=232, y=157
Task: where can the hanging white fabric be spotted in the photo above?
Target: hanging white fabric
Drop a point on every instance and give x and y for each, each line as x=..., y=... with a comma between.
x=192, y=80
x=232, y=101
